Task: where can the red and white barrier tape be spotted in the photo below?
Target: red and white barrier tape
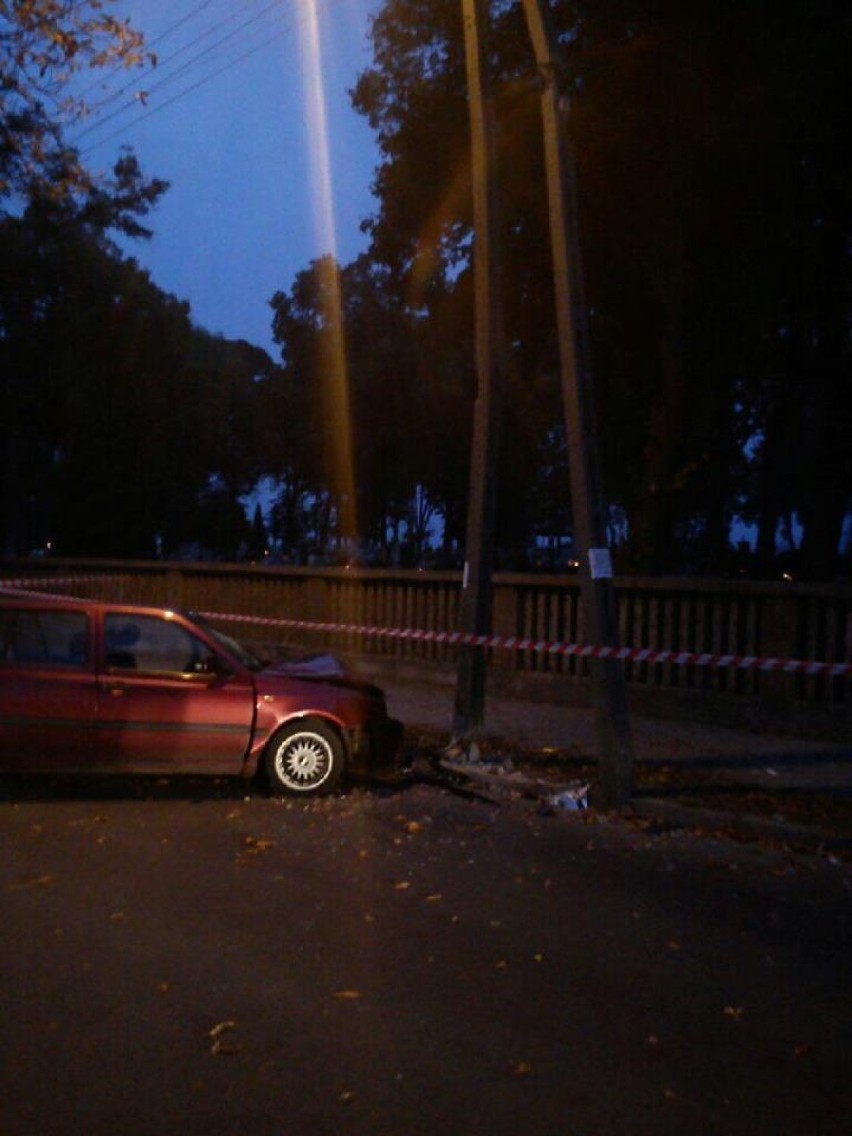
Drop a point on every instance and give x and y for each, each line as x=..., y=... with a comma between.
x=46, y=581
x=510, y=643
x=546, y=647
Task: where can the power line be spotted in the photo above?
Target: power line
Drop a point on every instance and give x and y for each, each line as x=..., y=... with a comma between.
x=188, y=66
x=117, y=66
x=187, y=91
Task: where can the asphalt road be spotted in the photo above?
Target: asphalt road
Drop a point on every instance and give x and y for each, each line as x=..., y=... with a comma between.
x=187, y=958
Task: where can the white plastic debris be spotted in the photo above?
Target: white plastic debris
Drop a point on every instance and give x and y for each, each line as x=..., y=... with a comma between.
x=571, y=800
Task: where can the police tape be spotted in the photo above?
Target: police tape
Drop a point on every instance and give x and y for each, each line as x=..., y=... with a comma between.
x=548, y=647
x=806, y=667
x=46, y=581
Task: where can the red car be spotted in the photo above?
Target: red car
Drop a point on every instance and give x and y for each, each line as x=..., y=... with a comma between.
x=90, y=687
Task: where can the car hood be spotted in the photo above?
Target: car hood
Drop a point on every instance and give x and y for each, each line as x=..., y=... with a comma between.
x=308, y=666
x=325, y=669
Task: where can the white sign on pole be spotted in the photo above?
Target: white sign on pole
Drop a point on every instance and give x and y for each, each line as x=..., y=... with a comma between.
x=600, y=563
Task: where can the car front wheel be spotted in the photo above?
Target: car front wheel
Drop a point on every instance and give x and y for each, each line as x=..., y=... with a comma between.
x=305, y=758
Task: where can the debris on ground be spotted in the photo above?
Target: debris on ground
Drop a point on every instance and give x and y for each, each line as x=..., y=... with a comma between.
x=745, y=802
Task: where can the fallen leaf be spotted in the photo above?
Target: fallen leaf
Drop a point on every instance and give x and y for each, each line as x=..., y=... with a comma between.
x=347, y=1097
x=222, y=1027
x=253, y=847
x=522, y=1069
x=673, y=945
x=433, y=898
x=402, y=885
x=347, y=995
x=804, y=1049
x=734, y=1012
x=222, y=1048
x=37, y=882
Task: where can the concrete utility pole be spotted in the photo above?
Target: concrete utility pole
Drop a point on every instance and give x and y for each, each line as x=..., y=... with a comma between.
x=598, y=596
x=475, y=613
x=587, y=500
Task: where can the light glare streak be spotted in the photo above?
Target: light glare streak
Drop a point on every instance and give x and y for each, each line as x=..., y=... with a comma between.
x=334, y=378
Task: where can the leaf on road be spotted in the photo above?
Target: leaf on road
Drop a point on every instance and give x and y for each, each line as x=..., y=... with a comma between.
x=252, y=848
x=224, y=1048
x=733, y=1012
x=434, y=897
x=522, y=1069
x=402, y=885
x=222, y=1027
x=347, y=995
x=36, y=882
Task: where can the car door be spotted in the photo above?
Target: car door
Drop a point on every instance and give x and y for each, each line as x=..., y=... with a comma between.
x=164, y=705
x=48, y=692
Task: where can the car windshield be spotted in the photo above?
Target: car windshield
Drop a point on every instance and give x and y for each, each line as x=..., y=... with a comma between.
x=248, y=660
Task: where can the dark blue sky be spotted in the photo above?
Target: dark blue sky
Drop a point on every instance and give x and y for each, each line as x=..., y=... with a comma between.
x=232, y=117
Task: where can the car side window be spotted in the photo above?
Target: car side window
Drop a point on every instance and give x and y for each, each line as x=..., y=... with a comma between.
x=44, y=638
x=149, y=643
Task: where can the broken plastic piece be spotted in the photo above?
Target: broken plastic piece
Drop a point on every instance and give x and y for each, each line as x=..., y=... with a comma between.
x=572, y=800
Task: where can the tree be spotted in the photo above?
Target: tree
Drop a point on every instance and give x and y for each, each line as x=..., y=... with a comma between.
x=710, y=141
x=126, y=430
x=44, y=45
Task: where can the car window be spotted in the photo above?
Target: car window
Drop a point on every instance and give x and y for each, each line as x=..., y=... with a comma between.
x=150, y=643
x=44, y=638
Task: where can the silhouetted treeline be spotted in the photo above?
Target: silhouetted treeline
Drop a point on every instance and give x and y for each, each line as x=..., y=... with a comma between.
x=713, y=156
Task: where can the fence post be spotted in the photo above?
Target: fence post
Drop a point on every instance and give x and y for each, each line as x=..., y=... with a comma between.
x=174, y=588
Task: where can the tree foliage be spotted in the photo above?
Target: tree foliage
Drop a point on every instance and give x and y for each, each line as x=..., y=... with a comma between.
x=126, y=430
x=713, y=161
x=45, y=45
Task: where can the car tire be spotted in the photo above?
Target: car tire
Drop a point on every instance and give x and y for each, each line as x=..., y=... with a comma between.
x=305, y=758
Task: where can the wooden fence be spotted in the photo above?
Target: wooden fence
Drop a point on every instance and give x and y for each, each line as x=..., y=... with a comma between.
x=717, y=617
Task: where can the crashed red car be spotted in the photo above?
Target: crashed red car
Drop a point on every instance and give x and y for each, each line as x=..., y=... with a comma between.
x=92, y=687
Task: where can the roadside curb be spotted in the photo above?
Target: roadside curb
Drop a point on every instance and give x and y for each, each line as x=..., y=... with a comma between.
x=743, y=825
